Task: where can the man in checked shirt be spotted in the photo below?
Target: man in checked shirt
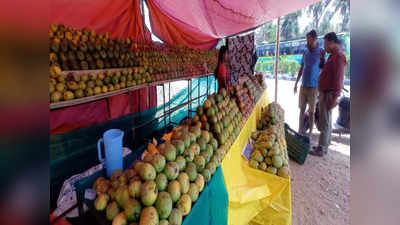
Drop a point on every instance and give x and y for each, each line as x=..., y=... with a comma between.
x=330, y=84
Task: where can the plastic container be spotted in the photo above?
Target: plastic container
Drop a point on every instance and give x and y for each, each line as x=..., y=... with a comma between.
x=297, y=145
x=112, y=140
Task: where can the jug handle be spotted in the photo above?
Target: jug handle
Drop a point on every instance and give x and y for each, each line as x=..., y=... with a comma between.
x=101, y=159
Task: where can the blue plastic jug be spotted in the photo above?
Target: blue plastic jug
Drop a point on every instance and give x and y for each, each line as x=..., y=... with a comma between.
x=112, y=140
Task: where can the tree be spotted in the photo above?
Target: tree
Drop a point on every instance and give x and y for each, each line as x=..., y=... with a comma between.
x=326, y=26
x=290, y=26
x=317, y=11
x=343, y=6
x=259, y=35
x=322, y=15
x=265, y=33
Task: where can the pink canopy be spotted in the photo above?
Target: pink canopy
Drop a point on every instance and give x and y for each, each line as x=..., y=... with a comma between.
x=197, y=24
x=174, y=31
x=206, y=20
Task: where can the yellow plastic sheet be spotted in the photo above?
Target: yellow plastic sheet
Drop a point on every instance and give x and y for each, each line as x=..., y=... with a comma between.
x=255, y=197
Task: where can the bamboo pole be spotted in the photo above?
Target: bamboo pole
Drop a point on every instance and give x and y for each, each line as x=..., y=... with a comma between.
x=277, y=58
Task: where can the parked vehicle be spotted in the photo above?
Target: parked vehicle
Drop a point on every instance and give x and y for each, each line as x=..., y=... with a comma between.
x=342, y=124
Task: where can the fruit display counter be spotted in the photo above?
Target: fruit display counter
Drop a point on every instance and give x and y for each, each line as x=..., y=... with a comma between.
x=173, y=182
x=163, y=186
x=178, y=180
x=255, y=196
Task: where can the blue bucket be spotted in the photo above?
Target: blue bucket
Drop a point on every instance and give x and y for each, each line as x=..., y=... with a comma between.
x=112, y=140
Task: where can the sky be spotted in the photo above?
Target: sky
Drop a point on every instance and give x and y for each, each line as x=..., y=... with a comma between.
x=147, y=22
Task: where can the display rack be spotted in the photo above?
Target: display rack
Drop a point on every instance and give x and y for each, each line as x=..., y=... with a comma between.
x=64, y=104
x=167, y=111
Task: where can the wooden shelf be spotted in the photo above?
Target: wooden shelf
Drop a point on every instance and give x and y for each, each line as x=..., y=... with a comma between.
x=63, y=104
x=92, y=71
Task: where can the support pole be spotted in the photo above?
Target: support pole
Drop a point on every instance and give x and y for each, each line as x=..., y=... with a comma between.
x=189, y=96
x=207, y=87
x=198, y=91
x=169, y=102
x=277, y=58
x=215, y=83
x=163, y=92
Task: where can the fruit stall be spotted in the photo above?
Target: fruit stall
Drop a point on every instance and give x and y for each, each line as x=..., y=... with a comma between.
x=127, y=146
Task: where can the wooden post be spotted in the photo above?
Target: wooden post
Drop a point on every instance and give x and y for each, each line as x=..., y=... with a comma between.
x=277, y=58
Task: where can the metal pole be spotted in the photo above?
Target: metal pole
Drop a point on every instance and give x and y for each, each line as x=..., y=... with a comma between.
x=165, y=125
x=189, y=96
x=277, y=58
x=207, y=86
x=215, y=84
x=132, y=116
x=169, y=102
x=108, y=109
x=130, y=102
x=198, y=92
x=149, y=94
x=139, y=103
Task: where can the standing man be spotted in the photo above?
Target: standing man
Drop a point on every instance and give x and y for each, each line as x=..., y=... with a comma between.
x=311, y=64
x=330, y=83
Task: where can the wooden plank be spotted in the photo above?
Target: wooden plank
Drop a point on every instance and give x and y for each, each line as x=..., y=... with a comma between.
x=80, y=72
x=79, y=101
x=177, y=79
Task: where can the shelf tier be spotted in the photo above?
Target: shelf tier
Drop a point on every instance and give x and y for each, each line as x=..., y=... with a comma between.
x=63, y=104
x=93, y=71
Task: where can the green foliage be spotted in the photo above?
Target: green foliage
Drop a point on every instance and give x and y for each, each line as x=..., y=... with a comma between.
x=321, y=13
x=293, y=67
x=265, y=33
x=285, y=66
x=270, y=65
x=258, y=67
x=290, y=26
x=322, y=16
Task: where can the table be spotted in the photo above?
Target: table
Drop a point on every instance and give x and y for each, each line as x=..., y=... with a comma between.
x=236, y=194
x=255, y=197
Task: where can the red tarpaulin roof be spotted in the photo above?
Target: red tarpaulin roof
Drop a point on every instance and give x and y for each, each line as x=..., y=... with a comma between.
x=197, y=23
x=121, y=18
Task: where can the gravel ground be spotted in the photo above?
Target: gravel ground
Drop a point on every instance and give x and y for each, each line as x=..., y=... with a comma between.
x=320, y=187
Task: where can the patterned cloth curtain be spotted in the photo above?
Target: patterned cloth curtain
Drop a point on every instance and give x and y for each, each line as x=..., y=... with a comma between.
x=240, y=52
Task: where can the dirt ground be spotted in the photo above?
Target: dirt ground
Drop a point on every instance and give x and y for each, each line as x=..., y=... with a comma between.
x=320, y=187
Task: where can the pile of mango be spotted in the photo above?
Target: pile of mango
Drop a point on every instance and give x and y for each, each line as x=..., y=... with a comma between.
x=269, y=149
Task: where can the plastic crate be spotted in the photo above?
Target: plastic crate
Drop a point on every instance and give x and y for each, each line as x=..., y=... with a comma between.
x=297, y=145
